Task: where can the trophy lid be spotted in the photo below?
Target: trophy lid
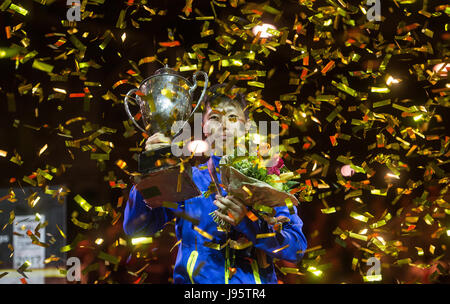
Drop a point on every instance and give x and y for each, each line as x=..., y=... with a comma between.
x=165, y=70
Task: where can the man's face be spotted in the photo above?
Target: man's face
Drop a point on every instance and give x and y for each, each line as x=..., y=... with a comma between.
x=225, y=120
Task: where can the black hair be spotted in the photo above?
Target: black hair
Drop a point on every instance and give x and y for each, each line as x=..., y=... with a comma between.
x=225, y=90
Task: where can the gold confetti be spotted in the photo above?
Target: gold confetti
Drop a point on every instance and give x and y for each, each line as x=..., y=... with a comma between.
x=42, y=150
x=279, y=249
x=141, y=240
x=265, y=235
x=203, y=233
x=39, y=65
x=83, y=203
x=374, y=117
x=107, y=257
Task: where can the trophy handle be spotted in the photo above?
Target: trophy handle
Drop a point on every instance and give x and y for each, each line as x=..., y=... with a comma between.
x=132, y=91
x=191, y=92
x=192, y=89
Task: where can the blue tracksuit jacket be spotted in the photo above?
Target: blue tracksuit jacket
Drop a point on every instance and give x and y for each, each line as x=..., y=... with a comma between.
x=202, y=260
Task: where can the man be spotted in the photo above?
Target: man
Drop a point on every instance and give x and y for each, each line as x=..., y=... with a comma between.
x=237, y=256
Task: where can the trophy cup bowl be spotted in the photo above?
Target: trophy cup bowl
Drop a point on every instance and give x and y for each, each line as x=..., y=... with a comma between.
x=164, y=99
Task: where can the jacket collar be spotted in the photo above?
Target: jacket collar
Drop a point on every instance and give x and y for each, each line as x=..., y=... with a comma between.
x=216, y=160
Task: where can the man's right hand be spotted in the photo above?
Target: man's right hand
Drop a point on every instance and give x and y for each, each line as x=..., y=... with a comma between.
x=156, y=141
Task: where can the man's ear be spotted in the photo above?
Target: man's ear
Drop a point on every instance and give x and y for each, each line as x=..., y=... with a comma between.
x=203, y=130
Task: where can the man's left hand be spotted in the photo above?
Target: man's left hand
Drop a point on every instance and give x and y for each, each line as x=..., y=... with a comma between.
x=231, y=209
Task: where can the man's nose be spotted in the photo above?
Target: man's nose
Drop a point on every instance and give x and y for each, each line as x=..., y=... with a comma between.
x=223, y=123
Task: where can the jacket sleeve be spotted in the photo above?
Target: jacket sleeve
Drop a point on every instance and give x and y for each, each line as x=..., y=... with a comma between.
x=139, y=219
x=289, y=243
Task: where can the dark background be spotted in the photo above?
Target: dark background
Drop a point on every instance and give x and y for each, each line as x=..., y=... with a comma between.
x=89, y=178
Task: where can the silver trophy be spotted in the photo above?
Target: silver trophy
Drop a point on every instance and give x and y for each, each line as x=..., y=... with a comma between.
x=164, y=98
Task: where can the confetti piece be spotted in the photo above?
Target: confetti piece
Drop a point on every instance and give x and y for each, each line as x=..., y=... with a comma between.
x=60, y=231
x=328, y=210
x=147, y=60
x=291, y=270
x=120, y=82
x=18, y=9
x=279, y=249
x=265, y=235
x=175, y=245
x=355, y=116
x=315, y=271
x=89, y=268
x=107, y=257
x=191, y=263
x=141, y=240
x=169, y=43
x=83, y=225
x=83, y=203
x=357, y=236
x=42, y=150
x=251, y=216
x=44, y=174
x=203, y=233
x=372, y=278
x=39, y=65
x=359, y=217
x=329, y=66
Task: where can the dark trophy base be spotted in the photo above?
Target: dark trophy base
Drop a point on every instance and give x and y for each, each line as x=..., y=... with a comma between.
x=161, y=179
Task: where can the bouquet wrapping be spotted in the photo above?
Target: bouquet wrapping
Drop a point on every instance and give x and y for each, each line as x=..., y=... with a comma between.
x=259, y=187
x=251, y=183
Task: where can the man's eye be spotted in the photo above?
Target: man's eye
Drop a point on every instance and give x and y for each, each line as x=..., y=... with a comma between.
x=233, y=118
x=214, y=117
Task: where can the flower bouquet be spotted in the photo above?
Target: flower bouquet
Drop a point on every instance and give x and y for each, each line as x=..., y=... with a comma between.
x=258, y=186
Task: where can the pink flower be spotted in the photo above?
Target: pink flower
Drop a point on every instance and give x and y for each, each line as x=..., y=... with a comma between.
x=276, y=168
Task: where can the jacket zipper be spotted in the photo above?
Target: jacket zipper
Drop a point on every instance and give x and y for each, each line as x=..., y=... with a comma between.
x=256, y=271
x=227, y=263
x=191, y=264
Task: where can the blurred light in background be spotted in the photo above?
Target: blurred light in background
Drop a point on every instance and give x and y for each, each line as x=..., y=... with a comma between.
x=198, y=146
x=392, y=80
x=263, y=29
x=442, y=69
x=347, y=171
